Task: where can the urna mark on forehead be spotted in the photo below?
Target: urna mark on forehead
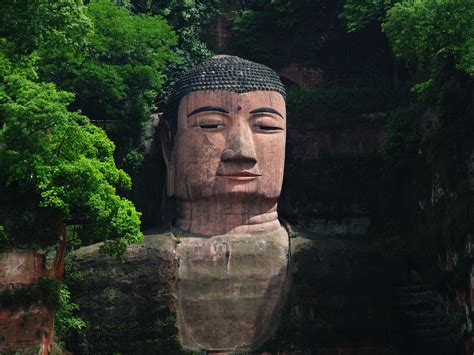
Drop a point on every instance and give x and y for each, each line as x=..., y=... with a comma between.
x=223, y=72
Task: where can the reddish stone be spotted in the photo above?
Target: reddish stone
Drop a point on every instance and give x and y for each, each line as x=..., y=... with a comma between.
x=28, y=327
x=20, y=267
x=25, y=329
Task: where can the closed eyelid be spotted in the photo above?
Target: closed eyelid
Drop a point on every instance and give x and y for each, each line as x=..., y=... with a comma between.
x=266, y=110
x=208, y=109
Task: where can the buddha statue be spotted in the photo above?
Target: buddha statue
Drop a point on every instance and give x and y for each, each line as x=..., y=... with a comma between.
x=223, y=142
x=219, y=280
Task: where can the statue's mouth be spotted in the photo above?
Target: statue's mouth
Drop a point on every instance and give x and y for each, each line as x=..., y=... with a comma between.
x=240, y=175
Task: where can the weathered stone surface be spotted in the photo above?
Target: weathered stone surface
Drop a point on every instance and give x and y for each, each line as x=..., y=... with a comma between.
x=28, y=329
x=20, y=267
x=231, y=289
x=302, y=74
x=129, y=307
x=334, y=173
x=342, y=297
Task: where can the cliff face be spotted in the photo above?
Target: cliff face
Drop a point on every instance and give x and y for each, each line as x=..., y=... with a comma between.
x=333, y=173
x=342, y=296
x=347, y=297
x=26, y=318
x=129, y=307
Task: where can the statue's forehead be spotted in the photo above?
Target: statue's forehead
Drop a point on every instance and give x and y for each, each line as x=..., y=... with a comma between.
x=230, y=98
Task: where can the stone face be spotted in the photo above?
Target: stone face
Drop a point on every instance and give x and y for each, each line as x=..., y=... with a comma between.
x=226, y=166
x=225, y=151
x=231, y=289
x=223, y=142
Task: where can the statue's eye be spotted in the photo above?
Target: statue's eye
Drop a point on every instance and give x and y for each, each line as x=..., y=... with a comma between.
x=209, y=126
x=268, y=124
x=207, y=122
x=267, y=128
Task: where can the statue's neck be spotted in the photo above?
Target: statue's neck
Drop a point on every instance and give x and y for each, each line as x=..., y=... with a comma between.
x=210, y=218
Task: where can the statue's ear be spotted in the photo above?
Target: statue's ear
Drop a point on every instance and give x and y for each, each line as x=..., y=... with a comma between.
x=166, y=141
x=167, y=146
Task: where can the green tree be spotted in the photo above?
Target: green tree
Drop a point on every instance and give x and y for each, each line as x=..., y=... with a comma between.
x=113, y=60
x=435, y=40
x=192, y=20
x=434, y=37
x=359, y=13
x=56, y=167
x=122, y=72
x=279, y=31
x=55, y=33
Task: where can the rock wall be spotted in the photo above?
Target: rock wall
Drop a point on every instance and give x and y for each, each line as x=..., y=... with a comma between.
x=341, y=300
x=130, y=307
x=333, y=174
x=26, y=331
x=27, y=328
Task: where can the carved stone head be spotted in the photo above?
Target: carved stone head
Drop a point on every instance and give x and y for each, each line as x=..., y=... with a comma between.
x=225, y=148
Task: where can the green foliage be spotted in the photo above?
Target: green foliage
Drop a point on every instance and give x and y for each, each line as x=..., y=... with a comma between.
x=432, y=35
x=65, y=321
x=316, y=104
x=122, y=72
x=4, y=241
x=62, y=162
x=402, y=139
x=53, y=294
x=46, y=291
x=279, y=31
x=294, y=234
x=54, y=32
x=192, y=21
x=359, y=13
x=114, y=61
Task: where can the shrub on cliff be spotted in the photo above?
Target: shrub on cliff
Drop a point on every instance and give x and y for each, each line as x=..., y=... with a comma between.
x=55, y=167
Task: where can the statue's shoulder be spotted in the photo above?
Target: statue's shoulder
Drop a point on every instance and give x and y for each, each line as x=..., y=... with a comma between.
x=128, y=305
x=158, y=248
x=158, y=240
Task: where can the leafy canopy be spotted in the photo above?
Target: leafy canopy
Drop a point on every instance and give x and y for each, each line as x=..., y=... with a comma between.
x=359, y=13
x=281, y=31
x=122, y=72
x=433, y=36
x=55, y=166
x=192, y=21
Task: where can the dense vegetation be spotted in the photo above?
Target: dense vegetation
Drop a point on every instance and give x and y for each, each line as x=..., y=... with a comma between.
x=435, y=41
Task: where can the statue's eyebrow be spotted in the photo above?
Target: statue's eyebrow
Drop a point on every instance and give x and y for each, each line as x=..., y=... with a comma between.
x=208, y=108
x=266, y=109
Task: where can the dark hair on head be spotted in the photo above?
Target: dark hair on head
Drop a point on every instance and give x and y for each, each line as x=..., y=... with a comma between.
x=222, y=72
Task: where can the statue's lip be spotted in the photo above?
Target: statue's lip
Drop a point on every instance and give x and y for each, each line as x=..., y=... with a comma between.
x=240, y=175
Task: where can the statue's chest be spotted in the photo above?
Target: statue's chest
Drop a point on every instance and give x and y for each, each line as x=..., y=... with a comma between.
x=230, y=289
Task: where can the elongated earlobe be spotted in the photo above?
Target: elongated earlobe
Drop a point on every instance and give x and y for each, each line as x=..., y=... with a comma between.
x=167, y=148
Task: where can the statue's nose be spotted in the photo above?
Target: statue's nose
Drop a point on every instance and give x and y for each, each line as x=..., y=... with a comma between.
x=240, y=147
